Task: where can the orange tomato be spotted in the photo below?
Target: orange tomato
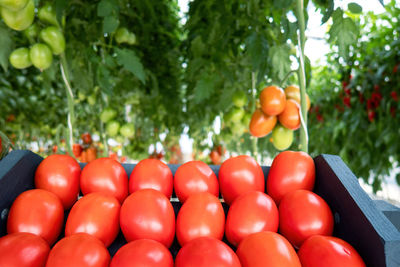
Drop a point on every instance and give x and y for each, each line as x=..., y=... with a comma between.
x=261, y=124
x=91, y=154
x=293, y=92
x=290, y=117
x=273, y=100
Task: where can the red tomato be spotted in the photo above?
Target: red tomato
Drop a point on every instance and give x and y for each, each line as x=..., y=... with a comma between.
x=86, y=138
x=143, y=252
x=250, y=213
x=303, y=214
x=39, y=212
x=59, y=174
x=267, y=249
x=201, y=215
x=23, y=250
x=151, y=173
x=215, y=157
x=205, y=252
x=290, y=171
x=147, y=213
x=272, y=100
x=105, y=175
x=77, y=150
x=290, y=116
x=194, y=177
x=95, y=214
x=261, y=124
x=81, y=250
x=328, y=251
x=239, y=175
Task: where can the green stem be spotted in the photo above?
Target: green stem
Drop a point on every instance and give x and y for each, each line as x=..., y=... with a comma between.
x=70, y=97
x=302, y=78
x=103, y=139
x=287, y=77
x=254, y=94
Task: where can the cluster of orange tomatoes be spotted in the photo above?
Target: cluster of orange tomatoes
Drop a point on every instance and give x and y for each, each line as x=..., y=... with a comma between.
x=279, y=113
x=264, y=221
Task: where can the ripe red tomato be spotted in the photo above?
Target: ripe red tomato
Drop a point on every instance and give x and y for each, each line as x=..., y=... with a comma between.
x=328, y=251
x=39, y=212
x=215, y=157
x=23, y=250
x=261, y=124
x=86, y=138
x=79, y=250
x=290, y=116
x=59, y=174
x=151, y=173
x=147, y=213
x=290, y=170
x=143, y=252
x=272, y=100
x=239, y=175
x=267, y=249
x=105, y=175
x=77, y=150
x=194, y=177
x=250, y=213
x=303, y=214
x=205, y=252
x=201, y=215
x=95, y=214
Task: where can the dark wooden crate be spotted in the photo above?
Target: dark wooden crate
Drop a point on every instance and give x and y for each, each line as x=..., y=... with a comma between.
x=368, y=225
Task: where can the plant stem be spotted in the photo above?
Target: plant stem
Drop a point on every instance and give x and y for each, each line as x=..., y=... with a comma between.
x=70, y=97
x=254, y=140
x=302, y=78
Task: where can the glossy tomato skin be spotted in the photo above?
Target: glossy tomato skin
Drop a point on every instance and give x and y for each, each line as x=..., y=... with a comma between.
x=201, y=215
x=194, y=177
x=59, y=174
x=267, y=249
x=290, y=171
x=205, y=252
x=148, y=213
x=328, y=251
x=23, y=250
x=302, y=214
x=95, y=214
x=105, y=175
x=250, y=213
x=272, y=100
x=151, y=173
x=261, y=124
x=239, y=175
x=290, y=116
x=79, y=250
x=143, y=252
x=39, y=212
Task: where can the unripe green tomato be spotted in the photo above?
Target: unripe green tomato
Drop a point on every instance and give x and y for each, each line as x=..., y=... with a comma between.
x=246, y=119
x=19, y=20
x=54, y=38
x=128, y=130
x=19, y=58
x=239, y=99
x=13, y=5
x=131, y=38
x=31, y=32
x=112, y=128
x=235, y=115
x=282, y=137
x=107, y=114
x=237, y=128
x=41, y=56
x=92, y=99
x=122, y=35
x=47, y=14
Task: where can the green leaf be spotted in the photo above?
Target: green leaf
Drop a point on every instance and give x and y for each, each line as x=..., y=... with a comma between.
x=129, y=61
x=328, y=12
x=104, y=79
x=282, y=3
x=354, y=8
x=60, y=6
x=257, y=47
x=106, y=7
x=110, y=24
x=343, y=32
x=279, y=60
x=5, y=47
x=204, y=87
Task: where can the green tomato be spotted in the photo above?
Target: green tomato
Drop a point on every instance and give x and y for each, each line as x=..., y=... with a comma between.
x=20, y=59
x=54, y=38
x=239, y=99
x=246, y=119
x=131, y=38
x=282, y=137
x=19, y=20
x=47, y=14
x=128, y=130
x=31, y=32
x=13, y=5
x=107, y=114
x=235, y=115
x=41, y=56
x=237, y=129
x=112, y=128
x=92, y=99
x=122, y=35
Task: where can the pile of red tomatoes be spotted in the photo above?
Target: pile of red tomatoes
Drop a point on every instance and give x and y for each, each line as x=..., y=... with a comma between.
x=285, y=225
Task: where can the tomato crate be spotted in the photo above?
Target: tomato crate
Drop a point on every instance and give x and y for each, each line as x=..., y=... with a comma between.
x=372, y=227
